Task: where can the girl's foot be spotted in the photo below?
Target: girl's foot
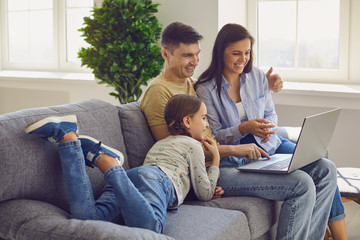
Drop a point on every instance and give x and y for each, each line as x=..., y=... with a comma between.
x=53, y=128
x=93, y=149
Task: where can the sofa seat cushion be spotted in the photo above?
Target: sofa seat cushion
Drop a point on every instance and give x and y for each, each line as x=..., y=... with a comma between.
x=206, y=223
x=32, y=219
x=261, y=214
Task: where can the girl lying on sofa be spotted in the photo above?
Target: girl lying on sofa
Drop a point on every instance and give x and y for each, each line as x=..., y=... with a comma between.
x=141, y=195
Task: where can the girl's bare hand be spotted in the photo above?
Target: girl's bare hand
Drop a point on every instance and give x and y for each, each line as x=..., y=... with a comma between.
x=218, y=192
x=210, y=145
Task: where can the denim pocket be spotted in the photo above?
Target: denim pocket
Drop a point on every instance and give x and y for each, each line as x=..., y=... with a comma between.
x=151, y=172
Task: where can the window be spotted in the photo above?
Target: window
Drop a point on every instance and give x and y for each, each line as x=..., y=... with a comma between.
x=305, y=40
x=42, y=34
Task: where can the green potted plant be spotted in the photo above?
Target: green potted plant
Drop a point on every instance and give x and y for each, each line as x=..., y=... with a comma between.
x=123, y=51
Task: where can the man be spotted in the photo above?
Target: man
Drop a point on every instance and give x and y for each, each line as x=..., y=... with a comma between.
x=181, y=59
x=306, y=196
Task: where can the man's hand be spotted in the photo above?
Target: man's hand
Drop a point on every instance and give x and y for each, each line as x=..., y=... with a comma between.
x=275, y=82
x=218, y=192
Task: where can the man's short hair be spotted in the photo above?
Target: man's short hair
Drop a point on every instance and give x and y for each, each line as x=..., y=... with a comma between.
x=176, y=33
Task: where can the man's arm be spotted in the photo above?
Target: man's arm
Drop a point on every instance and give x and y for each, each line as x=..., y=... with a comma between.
x=275, y=81
x=160, y=132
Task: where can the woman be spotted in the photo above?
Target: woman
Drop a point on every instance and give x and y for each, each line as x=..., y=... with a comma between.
x=240, y=108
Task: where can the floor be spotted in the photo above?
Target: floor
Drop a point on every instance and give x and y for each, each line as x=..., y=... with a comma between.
x=352, y=220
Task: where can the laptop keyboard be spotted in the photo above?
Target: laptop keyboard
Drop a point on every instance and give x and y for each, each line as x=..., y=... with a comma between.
x=278, y=165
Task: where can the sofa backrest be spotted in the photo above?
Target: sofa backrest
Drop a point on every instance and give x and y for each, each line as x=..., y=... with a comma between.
x=137, y=135
x=30, y=167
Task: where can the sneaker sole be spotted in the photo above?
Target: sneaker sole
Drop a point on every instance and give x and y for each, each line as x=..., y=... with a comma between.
x=52, y=119
x=121, y=156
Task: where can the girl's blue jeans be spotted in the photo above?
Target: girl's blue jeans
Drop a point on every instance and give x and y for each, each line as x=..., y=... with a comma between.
x=140, y=196
x=307, y=194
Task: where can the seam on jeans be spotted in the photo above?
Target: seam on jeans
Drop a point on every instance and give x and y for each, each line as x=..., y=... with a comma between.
x=257, y=188
x=291, y=220
x=93, y=211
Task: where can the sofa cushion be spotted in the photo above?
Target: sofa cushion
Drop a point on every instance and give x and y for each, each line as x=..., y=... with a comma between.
x=39, y=220
x=196, y=222
x=261, y=213
x=137, y=134
x=291, y=133
x=30, y=166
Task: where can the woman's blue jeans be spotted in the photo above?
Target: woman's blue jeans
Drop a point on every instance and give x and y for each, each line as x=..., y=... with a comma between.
x=307, y=195
x=337, y=211
x=139, y=196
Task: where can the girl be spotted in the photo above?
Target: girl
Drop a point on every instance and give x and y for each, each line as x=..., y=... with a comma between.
x=141, y=195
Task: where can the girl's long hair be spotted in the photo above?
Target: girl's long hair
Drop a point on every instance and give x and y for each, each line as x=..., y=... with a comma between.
x=178, y=107
x=228, y=34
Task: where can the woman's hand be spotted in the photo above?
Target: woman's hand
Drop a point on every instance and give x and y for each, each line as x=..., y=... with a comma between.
x=258, y=127
x=211, y=146
x=250, y=151
x=218, y=192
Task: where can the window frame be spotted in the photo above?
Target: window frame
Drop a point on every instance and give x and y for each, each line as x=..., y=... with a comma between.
x=59, y=62
x=310, y=75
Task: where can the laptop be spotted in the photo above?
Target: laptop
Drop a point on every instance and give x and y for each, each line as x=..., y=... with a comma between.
x=312, y=144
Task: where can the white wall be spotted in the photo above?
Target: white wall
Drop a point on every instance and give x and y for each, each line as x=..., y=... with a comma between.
x=20, y=93
x=344, y=144
x=232, y=11
x=201, y=14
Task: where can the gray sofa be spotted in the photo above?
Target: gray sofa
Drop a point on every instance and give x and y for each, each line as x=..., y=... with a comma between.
x=33, y=202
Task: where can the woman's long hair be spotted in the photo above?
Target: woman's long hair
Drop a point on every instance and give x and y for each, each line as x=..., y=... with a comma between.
x=178, y=107
x=228, y=34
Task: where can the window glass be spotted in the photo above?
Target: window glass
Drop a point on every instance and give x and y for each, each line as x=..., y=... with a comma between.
x=299, y=34
x=39, y=4
x=43, y=34
x=79, y=3
x=16, y=5
x=18, y=39
x=30, y=32
x=74, y=21
x=319, y=34
x=276, y=34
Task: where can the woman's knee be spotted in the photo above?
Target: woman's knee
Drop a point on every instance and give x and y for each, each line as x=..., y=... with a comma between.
x=330, y=167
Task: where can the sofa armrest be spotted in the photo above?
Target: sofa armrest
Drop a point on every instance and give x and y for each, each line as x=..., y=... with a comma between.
x=30, y=219
x=291, y=133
